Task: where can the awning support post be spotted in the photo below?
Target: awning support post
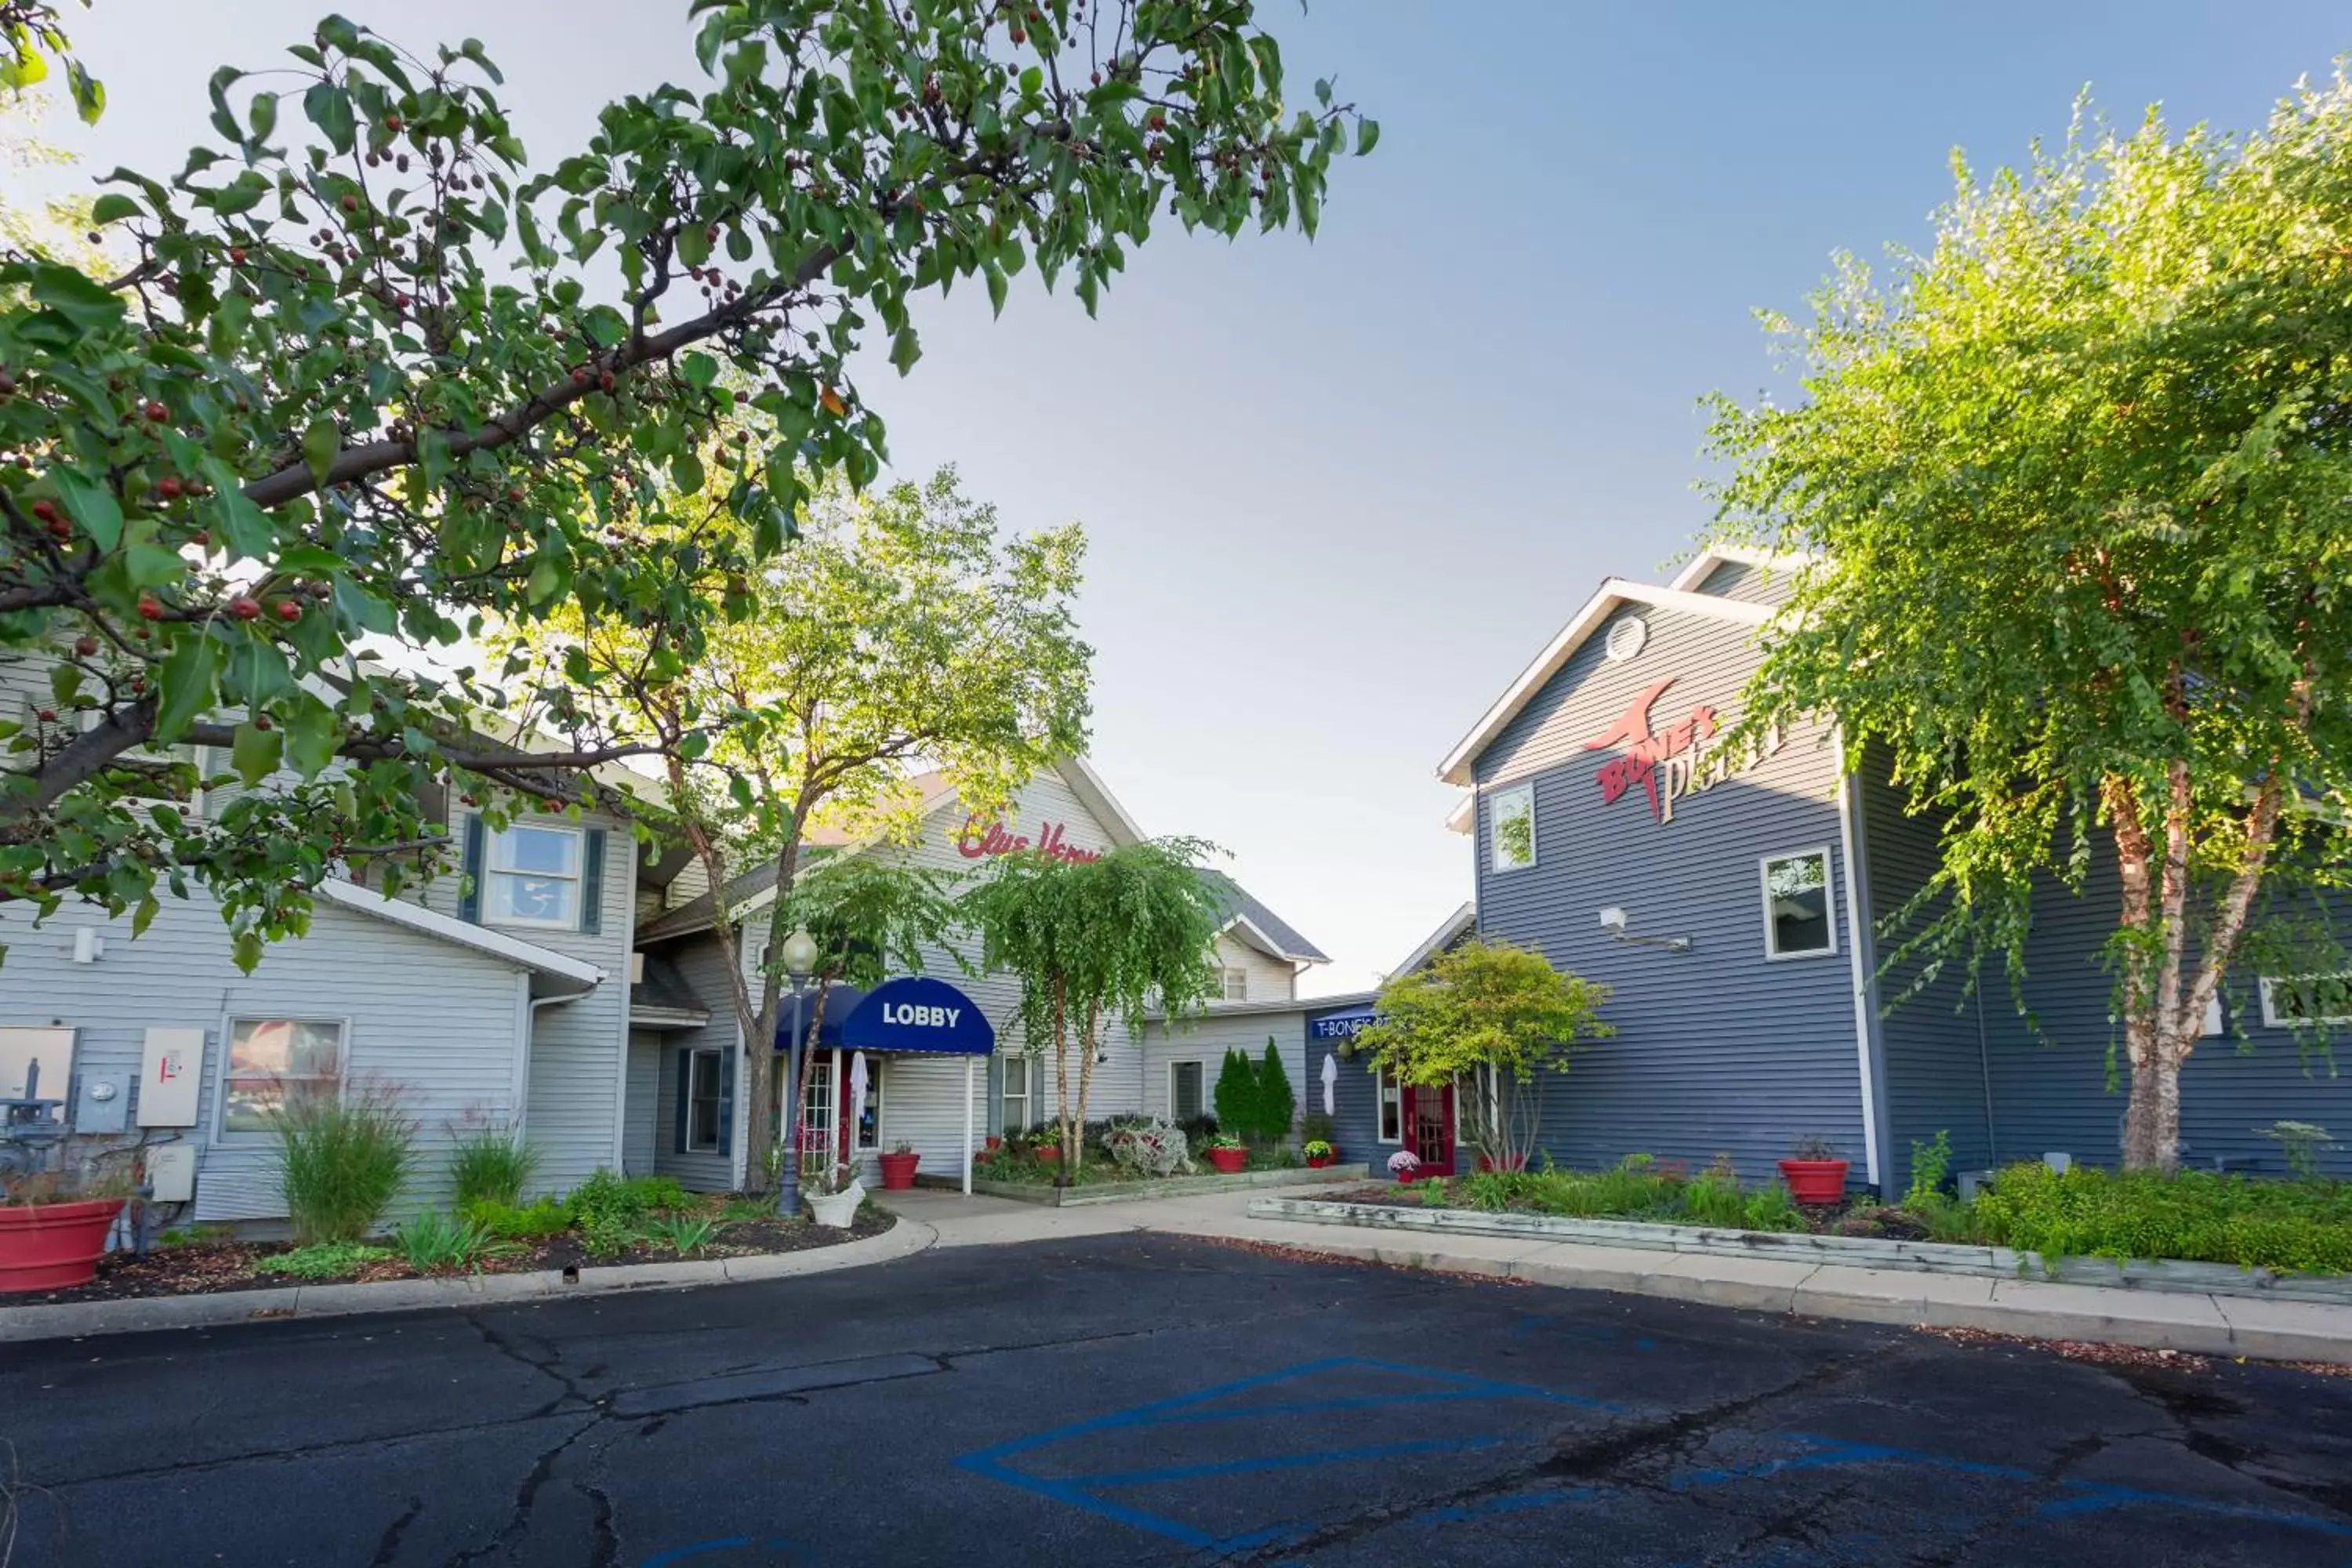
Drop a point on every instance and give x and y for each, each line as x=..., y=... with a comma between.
x=968, y=1064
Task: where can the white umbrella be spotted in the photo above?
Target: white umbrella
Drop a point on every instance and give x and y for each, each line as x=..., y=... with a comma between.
x=856, y=1094
x=1330, y=1083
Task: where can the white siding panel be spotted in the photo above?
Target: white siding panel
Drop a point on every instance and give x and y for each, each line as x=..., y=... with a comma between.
x=439, y=1021
x=637, y=1143
x=1207, y=1038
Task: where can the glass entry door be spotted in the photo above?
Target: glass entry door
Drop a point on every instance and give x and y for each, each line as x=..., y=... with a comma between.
x=1429, y=1128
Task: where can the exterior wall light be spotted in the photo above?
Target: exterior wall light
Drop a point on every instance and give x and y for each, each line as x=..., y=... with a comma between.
x=1613, y=919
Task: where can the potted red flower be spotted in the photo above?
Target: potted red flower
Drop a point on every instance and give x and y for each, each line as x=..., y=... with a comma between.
x=1319, y=1154
x=52, y=1232
x=1405, y=1166
x=1045, y=1145
x=898, y=1167
x=1228, y=1154
x=1814, y=1172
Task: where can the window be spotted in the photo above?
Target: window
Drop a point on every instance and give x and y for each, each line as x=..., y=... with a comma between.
x=868, y=1115
x=1392, y=1107
x=1513, y=816
x=2297, y=1001
x=818, y=1117
x=704, y=1131
x=533, y=877
x=1183, y=1091
x=1016, y=1095
x=1799, y=918
x=271, y=1060
x=1236, y=985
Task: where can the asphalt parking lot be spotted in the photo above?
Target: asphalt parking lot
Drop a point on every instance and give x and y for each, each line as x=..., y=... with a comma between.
x=1142, y=1400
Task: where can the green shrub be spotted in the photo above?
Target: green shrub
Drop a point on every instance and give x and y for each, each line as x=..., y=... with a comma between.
x=434, y=1242
x=2195, y=1215
x=511, y=1223
x=494, y=1165
x=1277, y=1104
x=683, y=1233
x=342, y=1160
x=323, y=1259
x=1712, y=1197
x=607, y=1199
x=1772, y=1208
x=1237, y=1095
x=1930, y=1162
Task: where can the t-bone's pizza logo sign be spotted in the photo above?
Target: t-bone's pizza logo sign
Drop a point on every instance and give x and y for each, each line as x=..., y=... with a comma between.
x=1673, y=763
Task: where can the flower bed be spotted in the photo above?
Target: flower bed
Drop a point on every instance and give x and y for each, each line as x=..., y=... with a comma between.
x=2303, y=1226
x=670, y=1226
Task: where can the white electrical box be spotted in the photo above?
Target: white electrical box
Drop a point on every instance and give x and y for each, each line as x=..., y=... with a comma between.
x=172, y=1171
x=170, y=1070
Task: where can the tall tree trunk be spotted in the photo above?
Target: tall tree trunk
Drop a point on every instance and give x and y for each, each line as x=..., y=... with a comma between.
x=760, y=1048
x=1062, y=1079
x=1086, y=1082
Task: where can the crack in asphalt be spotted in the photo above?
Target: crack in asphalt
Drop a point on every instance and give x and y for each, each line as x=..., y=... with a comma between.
x=1602, y=1456
x=387, y=1548
x=526, y=1498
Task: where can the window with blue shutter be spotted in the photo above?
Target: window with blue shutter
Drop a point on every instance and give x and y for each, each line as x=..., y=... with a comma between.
x=470, y=901
x=592, y=882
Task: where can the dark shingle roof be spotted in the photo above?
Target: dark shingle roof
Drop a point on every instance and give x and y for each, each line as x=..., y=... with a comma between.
x=1235, y=903
x=663, y=986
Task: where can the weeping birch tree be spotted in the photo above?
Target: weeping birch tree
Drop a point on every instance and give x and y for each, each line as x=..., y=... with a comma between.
x=2076, y=485
x=1094, y=942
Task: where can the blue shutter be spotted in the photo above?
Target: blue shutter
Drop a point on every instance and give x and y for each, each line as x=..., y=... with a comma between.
x=592, y=882
x=727, y=1101
x=469, y=902
x=684, y=1096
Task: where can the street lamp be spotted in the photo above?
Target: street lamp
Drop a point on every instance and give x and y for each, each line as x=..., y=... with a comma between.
x=800, y=968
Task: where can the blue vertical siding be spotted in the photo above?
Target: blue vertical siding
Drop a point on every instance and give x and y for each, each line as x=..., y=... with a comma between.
x=1719, y=1050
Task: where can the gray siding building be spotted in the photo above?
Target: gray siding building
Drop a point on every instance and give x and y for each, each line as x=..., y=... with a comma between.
x=1729, y=902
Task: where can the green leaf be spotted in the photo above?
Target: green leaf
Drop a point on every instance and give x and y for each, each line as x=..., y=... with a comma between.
x=76, y=297
x=151, y=565
x=312, y=731
x=188, y=678
x=89, y=92
x=144, y=915
x=114, y=208
x=255, y=754
x=698, y=369
x=994, y=276
x=685, y=473
x=244, y=526
x=330, y=108
x=1368, y=134
x=93, y=506
x=262, y=114
x=321, y=442
x=905, y=350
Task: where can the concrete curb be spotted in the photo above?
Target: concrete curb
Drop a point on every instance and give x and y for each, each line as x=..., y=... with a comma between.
x=77, y=1319
x=1169, y=1188
x=1839, y=1251
x=2263, y=1329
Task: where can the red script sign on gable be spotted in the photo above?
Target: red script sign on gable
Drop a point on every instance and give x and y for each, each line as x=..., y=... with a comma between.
x=1668, y=764
x=976, y=842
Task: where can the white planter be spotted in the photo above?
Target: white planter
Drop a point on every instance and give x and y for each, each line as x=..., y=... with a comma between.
x=837, y=1210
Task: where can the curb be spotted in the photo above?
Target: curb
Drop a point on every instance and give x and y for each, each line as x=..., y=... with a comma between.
x=2203, y=1325
x=78, y=1319
x=1169, y=1188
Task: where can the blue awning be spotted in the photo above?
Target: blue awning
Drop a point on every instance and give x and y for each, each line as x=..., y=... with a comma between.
x=918, y=1014
x=841, y=999
x=1341, y=1026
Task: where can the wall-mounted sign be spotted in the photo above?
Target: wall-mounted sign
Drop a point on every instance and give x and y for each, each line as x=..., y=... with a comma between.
x=977, y=842
x=1341, y=1026
x=916, y=1013
x=1673, y=763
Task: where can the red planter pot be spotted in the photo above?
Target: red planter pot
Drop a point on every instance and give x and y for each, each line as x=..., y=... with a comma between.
x=898, y=1171
x=1228, y=1161
x=1047, y=1153
x=53, y=1246
x=994, y=1142
x=1317, y=1161
x=1815, y=1180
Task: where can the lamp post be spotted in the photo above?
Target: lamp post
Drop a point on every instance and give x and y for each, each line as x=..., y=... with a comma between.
x=800, y=967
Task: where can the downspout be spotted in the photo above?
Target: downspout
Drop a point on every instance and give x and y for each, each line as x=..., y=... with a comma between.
x=532, y=1005
x=1984, y=1068
x=1865, y=983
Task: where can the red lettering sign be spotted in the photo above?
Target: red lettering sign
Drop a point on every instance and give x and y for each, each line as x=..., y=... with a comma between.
x=1646, y=748
x=977, y=842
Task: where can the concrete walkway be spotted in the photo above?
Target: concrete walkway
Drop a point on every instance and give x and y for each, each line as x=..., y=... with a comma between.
x=2208, y=1325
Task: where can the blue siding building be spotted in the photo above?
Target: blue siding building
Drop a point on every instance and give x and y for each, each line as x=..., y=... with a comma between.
x=1729, y=902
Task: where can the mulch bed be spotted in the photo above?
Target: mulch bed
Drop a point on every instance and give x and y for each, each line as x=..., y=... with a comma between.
x=1861, y=1219
x=204, y=1267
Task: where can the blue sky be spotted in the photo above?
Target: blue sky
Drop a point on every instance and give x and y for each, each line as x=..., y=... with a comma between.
x=1338, y=494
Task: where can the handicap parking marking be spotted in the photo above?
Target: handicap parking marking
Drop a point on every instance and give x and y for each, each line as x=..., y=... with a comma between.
x=1435, y=1386
x=1427, y=1387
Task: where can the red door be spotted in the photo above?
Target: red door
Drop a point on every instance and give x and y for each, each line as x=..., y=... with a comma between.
x=1429, y=1128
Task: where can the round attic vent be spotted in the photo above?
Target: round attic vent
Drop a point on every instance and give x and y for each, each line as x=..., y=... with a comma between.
x=1627, y=637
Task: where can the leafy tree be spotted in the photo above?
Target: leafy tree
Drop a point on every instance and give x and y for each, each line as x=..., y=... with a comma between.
x=30, y=36
x=1094, y=940
x=1237, y=1095
x=1277, y=1104
x=2074, y=483
x=365, y=377
x=899, y=627
x=1497, y=1020
x=871, y=915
